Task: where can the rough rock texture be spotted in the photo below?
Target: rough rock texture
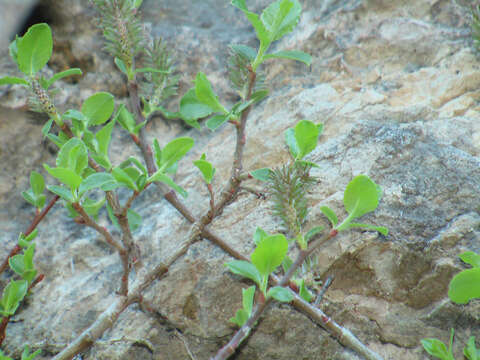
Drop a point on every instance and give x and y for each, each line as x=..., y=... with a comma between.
x=395, y=84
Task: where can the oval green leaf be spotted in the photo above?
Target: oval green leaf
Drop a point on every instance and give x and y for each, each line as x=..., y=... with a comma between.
x=34, y=49
x=361, y=196
x=465, y=286
x=269, y=253
x=98, y=108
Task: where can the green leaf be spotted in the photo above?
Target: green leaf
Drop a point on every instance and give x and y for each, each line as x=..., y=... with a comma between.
x=244, y=50
x=37, y=182
x=306, y=137
x=437, y=348
x=192, y=108
x=73, y=114
x=63, y=74
x=245, y=269
x=46, y=128
x=304, y=293
x=13, y=293
x=281, y=17
x=121, y=65
x=103, y=137
x=157, y=151
x=269, y=253
x=247, y=299
x=134, y=219
x=381, y=229
x=125, y=118
x=465, y=286
x=292, y=55
x=205, y=94
x=470, y=351
x=216, y=121
x=240, y=318
x=287, y=263
x=26, y=354
x=152, y=70
x=17, y=264
x=34, y=49
x=206, y=169
x=280, y=294
x=259, y=235
x=159, y=176
x=292, y=142
x=261, y=31
x=65, y=176
x=470, y=258
x=73, y=155
x=122, y=177
x=61, y=191
x=262, y=174
x=174, y=151
x=361, y=196
x=13, y=49
x=259, y=95
x=312, y=232
x=104, y=181
x=29, y=197
x=12, y=80
x=98, y=108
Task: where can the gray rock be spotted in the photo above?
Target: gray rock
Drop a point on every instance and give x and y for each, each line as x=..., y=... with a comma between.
x=395, y=84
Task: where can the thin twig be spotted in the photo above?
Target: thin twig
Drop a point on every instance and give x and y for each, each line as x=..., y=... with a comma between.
x=36, y=220
x=185, y=343
x=88, y=221
x=323, y=290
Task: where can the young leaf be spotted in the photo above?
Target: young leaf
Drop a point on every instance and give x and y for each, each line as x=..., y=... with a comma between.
x=34, y=49
x=240, y=318
x=73, y=155
x=157, y=150
x=13, y=293
x=381, y=229
x=280, y=294
x=262, y=174
x=174, y=151
x=26, y=354
x=361, y=196
x=330, y=214
x=103, y=138
x=262, y=33
x=205, y=94
x=216, y=121
x=244, y=50
x=247, y=299
x=304, y=293
x=61, y=75
x=259, y=235
x=134, y=219
x=470, y=351
x=465, y=286
x=65, y=176
x=246, y=269
x=269, y=253
x=46, y=128
x=192, y=108
x=98, y=108
x=470, y=258
x=37, y=182
x=281, y=17
x=159, y=176
x=312, y=232
x=61, y=191
x=12, y=80
x=292, y=55
x=206, y=169
x=122, y=177
x=125, y=118
x=437, y=348
x=104, y=181
x=292, y=142
x=306, y=137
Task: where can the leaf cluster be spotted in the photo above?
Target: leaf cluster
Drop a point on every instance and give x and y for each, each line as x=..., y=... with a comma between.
x=439, y=350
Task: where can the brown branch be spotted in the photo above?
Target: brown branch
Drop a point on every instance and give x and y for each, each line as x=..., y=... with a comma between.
x=36, y=220
x=122, y=252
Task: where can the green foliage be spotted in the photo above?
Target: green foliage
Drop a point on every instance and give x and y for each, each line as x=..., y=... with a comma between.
x=13, y=294
x=98, y=108
x=245, y=312
x=35, y=195
x=263, y=174
x=465, y=285
x=23, y=265
x=303, y=139
x=206, y=168
x=127, y=121
x=360, y=197
x=34, y=49
x=470, y=351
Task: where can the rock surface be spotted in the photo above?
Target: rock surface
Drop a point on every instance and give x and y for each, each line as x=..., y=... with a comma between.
x=395, y=84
